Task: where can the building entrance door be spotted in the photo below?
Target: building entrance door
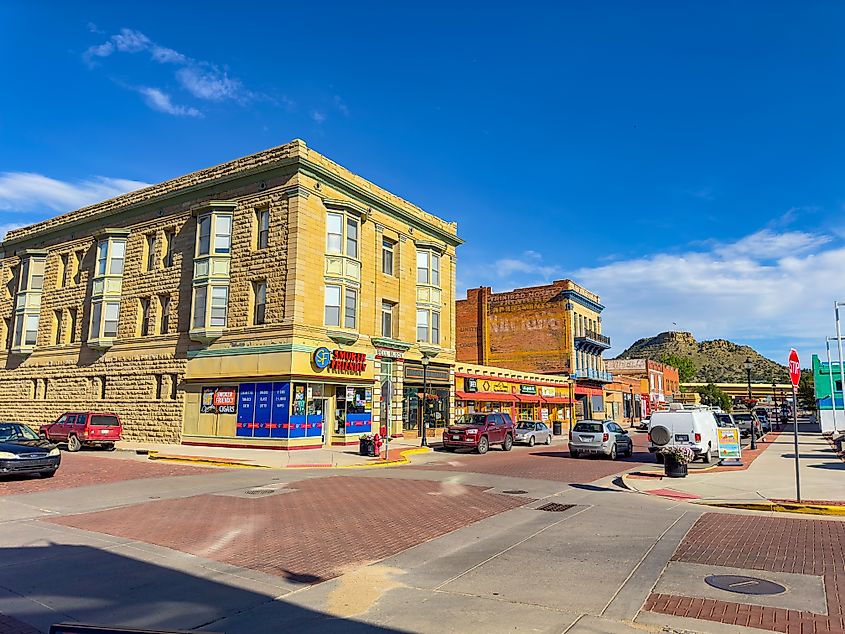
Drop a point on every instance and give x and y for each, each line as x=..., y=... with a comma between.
x=316, y=420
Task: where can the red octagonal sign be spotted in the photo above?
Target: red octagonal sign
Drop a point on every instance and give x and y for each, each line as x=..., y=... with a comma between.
x=794, y=367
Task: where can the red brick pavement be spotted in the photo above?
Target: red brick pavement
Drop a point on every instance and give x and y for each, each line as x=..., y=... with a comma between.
x=312, y=534
x=540, y=463
x=84, y=469
x=774, y=544
x=10, y=625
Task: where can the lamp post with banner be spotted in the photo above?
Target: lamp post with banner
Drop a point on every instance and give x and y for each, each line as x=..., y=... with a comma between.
x=423, y=421
x=748, y=365
x=795, y=377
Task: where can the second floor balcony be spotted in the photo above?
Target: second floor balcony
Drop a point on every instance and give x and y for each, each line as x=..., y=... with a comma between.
x=595, y=375
x=593, y=339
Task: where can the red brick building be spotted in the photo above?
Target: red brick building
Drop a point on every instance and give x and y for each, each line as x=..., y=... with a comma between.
x=550, y=329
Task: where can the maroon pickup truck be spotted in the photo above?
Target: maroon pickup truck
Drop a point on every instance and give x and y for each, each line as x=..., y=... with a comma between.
x=84, y=429
x=479, y=431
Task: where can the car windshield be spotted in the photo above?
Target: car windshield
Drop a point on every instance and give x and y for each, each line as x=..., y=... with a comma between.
x=472, y=419
x=595, y=428
x=11, y=432
x=525, y=424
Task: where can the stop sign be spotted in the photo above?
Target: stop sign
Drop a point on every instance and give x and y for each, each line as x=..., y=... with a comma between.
x=794, y=367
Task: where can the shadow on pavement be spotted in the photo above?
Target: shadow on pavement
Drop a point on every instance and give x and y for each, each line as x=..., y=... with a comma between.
x=592, y=487
x=43, y=585
x=835, y=466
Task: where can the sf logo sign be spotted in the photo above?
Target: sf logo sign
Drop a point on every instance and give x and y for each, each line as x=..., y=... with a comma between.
x=322, y=358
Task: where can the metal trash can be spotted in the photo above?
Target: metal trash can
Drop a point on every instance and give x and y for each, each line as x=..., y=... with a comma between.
x=557, y=428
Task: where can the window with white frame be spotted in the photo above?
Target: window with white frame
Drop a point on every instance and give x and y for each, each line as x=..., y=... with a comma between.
x=32, y=274
x=428, y=267
x=111, y=254
x=222, y=233
x=262, y=223
x=388, y=313
x=341, y=302
x=219, y=306
x=203, y=235
x=259, y=293
x=428, y=326
x=342, y=235
x=200, y=301
x=387, y=254
x=111, y=315
x=332, y=305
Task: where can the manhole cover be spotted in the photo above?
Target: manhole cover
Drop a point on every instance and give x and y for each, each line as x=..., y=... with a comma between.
x=744, y=585
x=515, y=492
x=554, y=507
x=259, y=491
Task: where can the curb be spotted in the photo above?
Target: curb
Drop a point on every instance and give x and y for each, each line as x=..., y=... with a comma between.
x=218, y=462
x=214, y=462
x=780, y=507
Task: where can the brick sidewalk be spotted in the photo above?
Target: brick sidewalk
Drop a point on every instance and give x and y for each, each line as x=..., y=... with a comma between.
x=84, y=469
x=803, y=546
x=314, y=533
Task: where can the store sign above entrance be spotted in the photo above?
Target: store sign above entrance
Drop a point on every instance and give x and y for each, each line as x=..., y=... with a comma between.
x=495, y=386
x=527, y=389
x=389, y=353
x=547, y=391
x=340, y=360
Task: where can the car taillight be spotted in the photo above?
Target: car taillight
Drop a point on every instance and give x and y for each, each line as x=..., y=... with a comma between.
x=605, y=437
x=698, y=438
x=649, y=436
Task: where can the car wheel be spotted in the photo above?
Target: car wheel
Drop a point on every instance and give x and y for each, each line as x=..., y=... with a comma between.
x=531, y=441
x=109, y=446
x=483, y=445
x=613, y=451
x=48, y=474
x=508, y=444
x=706, y=458
x=549, y=439
x=73, y=443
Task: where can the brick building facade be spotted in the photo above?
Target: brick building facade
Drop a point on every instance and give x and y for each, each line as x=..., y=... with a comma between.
x=550, y=329
x=276, y=300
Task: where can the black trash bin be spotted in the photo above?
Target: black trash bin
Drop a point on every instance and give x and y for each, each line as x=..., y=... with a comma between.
x=557, y=428
x=366, y=447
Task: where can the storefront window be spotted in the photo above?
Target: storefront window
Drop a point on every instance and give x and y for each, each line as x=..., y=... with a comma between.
x=436, y=412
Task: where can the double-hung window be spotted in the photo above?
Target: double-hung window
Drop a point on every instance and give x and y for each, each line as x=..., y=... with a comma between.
x=388, y=310
x=334, y=233
x=387, y=255
x=111, y=315
x=332, y=305
x=262, y=222
x=222, y=234
x=259, y=291
x=212, y=262
x=428, y=267
x=342, y=235
x=350, y=308
x=204, y=233
x=219, y=306
x=341, y=306
x=428, y=326
x=151, y=252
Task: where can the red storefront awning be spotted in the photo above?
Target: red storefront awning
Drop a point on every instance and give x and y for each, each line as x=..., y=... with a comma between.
x=556, y=399
x=527, y=398
x=484, y=396
x=589, y=391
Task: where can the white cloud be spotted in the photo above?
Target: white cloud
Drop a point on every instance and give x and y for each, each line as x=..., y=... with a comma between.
x=763, y=289
x=341, y=106
x=28, y=191
x=159, y=100
x=317, y=116
x=206, y=81
x=201, y=79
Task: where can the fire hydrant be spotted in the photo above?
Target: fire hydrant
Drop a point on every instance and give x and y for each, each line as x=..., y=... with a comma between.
x=377, y=442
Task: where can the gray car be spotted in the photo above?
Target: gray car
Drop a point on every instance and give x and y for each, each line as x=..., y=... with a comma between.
x=600, y=437
x=532, y=432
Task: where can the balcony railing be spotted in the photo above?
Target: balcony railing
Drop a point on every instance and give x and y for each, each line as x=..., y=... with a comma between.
x=595, y=375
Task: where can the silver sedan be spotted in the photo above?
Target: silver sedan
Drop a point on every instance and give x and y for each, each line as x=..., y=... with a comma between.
x=600, y=437
x=532, y=432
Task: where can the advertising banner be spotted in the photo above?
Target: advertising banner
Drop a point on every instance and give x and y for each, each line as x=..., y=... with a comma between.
x=729, y=447
x=219, y=400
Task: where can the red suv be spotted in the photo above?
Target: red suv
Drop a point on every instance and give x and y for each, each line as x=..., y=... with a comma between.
x=87, y=428
x=479, y=431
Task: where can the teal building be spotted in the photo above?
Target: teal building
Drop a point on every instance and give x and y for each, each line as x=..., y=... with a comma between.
x=824, y=402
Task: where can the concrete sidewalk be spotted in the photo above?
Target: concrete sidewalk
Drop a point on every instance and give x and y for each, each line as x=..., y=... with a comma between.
x=770, y=477
x=340, y=457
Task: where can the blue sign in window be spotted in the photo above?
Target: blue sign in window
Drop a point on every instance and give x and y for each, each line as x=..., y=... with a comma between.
x=246, y=410
x=280, y=422
x=263, y=405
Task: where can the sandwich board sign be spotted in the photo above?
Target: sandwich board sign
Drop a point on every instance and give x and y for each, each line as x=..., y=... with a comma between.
x=730, y=450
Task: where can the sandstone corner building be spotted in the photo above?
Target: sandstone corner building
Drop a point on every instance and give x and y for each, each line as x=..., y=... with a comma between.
x=277, y=300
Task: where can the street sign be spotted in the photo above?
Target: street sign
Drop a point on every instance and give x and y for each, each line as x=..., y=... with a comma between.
x=794, y=367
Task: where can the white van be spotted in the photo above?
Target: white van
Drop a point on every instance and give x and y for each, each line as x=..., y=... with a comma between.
x=696, y=429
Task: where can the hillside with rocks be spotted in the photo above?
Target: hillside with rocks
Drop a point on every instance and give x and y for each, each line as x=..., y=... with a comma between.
x=716, y=361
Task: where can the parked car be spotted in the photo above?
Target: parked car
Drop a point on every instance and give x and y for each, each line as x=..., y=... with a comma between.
x=531, y=432
x=89, y=429
x=479, y=431
x=725, y=420
x=22, y=451
x=600, y=437
x=746, y=421
x=644, y=423
x=695, y=429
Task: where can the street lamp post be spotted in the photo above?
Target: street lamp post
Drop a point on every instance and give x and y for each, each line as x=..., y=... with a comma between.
x=775, y=402
x=424, y=441
x=631, y=404
x=748, y=365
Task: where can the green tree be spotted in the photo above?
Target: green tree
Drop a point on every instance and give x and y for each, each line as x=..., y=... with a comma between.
x=807, y=391
x=715, y=396
x=685, y=365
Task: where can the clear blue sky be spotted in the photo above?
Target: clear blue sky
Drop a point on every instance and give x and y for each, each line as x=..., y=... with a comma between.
x=667, y=155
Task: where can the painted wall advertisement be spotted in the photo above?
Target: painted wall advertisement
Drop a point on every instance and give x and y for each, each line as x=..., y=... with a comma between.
x=729, y=447
x=219, y=400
